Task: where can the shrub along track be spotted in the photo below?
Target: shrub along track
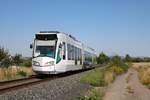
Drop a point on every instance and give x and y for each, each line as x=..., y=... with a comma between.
x=8, y=86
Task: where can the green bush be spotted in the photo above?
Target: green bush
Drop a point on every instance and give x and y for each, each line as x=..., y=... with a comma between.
x=94, y=78
x=125, y=67
x=17, y=59
x=117, y=70
x=5, y=58
x=116, y=61
x=102, y=58
x=27, y=63
x=118, y=65
x=3, y=53
x=7, y=62
x=22, y=73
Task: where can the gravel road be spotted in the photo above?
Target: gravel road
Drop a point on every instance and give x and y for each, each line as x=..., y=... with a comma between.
x=127, y=87
x=67, y=88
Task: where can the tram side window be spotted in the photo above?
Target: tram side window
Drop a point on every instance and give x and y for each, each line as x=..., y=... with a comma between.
x=69, y=51
x=79, y=54
x=76, y=53
x=81, y=60
x=88, y=56
x=64, y=50
x=73, y=52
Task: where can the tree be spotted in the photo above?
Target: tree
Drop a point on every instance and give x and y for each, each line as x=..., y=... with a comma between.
x=117, y=61
x=5, y=59
x=138, y=59
x=27, y=62
x=102, y=58
x=128, y=58
x=3, y=54
x=17, y=59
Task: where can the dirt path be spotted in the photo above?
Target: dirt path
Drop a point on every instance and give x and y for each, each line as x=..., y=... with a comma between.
x=127, y=87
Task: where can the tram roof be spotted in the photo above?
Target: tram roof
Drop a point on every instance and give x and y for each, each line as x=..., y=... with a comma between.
x=57, y=32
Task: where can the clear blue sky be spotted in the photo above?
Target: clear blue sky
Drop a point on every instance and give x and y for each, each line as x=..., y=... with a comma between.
x=112, y=26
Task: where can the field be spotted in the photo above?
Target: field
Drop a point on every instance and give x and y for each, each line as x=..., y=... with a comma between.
x=137, y=65
x=143, y=72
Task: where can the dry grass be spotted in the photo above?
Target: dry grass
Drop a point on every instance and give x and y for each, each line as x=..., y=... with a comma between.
x=117, y=70
x=109, y=77
x=138, y=65
x=143, y=72
x=12, y=72
x=129, y=89
x=27, y=70
x=128, y=77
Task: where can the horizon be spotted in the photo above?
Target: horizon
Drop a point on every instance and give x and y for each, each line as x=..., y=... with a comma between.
x=113, y=27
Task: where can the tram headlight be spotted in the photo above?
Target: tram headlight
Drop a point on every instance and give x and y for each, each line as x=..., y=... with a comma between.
x=35, y=63
x=51, y=63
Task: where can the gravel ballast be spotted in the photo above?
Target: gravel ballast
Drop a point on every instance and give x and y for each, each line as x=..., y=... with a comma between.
x=66, y=88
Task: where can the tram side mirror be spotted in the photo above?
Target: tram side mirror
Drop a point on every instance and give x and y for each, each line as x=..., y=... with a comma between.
x=31, y=46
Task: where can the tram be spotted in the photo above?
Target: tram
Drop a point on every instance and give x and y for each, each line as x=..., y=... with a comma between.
x=57, y=52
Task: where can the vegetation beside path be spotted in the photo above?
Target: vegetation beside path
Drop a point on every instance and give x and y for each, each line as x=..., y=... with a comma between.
x=99, y=78
x=14, y=67
x=143, y=70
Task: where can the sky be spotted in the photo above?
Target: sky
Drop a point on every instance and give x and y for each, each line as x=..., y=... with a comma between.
x=112, y=26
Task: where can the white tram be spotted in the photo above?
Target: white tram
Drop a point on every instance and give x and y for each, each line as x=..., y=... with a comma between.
x=56, y=52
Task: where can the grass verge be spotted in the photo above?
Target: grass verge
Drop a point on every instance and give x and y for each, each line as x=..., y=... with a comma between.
x=15, y=73
x=100, y=78
x=94, y=78
x=94, y=94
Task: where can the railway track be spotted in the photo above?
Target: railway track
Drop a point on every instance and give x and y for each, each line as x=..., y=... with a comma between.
x=22, y=83
x=8, y=86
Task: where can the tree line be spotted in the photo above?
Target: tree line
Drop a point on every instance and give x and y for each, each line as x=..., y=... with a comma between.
x=6, y=60
x=103, y=58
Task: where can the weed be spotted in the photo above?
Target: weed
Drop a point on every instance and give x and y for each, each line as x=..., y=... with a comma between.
x=103, y=77
x=95, y=94
x=22, y=73
x=117, y=70
x=14, y=73
x=129, y=89
x=128, y=77
x=27, y=63
x=94, y=78
x=109, y=76
x=148, y=85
